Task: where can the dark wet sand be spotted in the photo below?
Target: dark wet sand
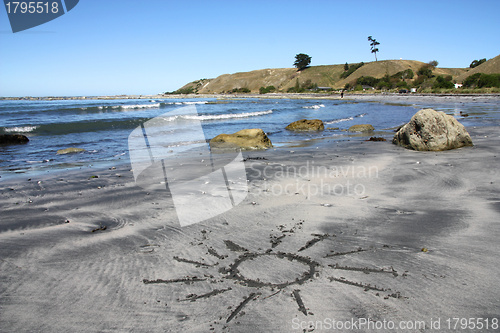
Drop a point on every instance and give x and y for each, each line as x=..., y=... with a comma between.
x=386, y=234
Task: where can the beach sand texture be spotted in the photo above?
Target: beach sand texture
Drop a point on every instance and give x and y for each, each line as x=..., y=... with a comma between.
x=385, y=234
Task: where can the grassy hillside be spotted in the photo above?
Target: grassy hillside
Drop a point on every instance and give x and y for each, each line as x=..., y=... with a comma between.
x=491, y=66
x=324, y=76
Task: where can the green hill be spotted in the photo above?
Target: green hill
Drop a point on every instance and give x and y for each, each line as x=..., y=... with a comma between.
x=491, y=66
x=325, y=76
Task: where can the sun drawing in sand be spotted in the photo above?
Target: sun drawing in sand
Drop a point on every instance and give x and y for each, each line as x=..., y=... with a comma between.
x=266, y=273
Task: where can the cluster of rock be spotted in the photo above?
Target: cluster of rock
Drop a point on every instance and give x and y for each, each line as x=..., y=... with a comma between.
x=428, y=130
x=257, y=139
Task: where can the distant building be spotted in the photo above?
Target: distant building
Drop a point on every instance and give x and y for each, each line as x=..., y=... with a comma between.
x=458, y=85
x=324, y=88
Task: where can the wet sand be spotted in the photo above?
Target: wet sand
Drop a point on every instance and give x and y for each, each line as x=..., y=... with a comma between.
x=351, y=231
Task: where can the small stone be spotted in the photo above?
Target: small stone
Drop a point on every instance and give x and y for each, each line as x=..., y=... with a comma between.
x=70, y=151
x=361, y=128
x=306, y=125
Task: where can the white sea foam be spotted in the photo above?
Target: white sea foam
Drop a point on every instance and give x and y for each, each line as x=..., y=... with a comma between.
x=21, y=129
x=192, y=103
x=317, y=106
x=339, y=120
x=187, y=103
x=229, y=115
x=220, y=116
x=139, y=106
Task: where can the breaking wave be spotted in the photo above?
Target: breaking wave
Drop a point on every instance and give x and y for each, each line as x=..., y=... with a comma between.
x=317, y=106
x=335, y=121
x=20, y=129
x=220, y=116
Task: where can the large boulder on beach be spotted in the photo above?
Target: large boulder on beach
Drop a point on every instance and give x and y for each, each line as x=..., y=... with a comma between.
x=8, y=139
x=70, y=151
x=253, y=138
x=361, y=128
x=306, y=125
x=430, y=130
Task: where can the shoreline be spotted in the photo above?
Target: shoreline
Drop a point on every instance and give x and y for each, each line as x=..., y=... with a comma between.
x=383, y=98
x=347, y=95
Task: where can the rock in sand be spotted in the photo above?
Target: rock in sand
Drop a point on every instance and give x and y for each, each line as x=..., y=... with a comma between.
x=306, y=125
x=361, y=128
x=430, y=130
x=254, y=138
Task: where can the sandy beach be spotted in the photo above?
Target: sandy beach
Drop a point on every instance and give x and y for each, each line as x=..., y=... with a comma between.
x=344, y=235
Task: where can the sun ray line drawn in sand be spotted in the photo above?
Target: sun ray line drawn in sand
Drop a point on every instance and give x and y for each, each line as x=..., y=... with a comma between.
x=313, y=241
x=299, y=301
x=334, y=254
x=242, y=304
x=365, y=270
x=196, y=263
x=184, y=280
x=356, y=284
x=271, y=274
x=194, y=297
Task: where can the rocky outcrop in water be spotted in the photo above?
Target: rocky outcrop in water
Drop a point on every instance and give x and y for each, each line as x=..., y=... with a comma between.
x=306, y=125
x=361, y=128
x=254, y=138
x=70, y=151
x=430, y=130
x=9, y=139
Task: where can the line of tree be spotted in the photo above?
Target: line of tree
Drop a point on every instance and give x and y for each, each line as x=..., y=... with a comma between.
x=476, y=63
x=481, y=80
x=397, y=80
x=348, y=70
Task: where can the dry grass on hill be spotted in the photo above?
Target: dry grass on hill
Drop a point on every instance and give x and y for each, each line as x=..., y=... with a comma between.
x=327, y=75
x=491, y=66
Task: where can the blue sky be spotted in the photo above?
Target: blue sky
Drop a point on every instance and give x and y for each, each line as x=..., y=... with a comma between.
x=108, y=47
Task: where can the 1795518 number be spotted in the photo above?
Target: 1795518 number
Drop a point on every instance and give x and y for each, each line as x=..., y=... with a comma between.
x=32, y=7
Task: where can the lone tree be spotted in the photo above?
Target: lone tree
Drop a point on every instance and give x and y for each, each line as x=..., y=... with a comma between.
x=373, y=46
x=433, y=63
x=302, y=61
x=476, y=63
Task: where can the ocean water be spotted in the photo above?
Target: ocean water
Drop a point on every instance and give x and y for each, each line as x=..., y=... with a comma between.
x=102, y=127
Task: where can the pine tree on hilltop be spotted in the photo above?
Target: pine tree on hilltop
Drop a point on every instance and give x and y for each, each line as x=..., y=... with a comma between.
x=302, y=61
x=373, y=46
